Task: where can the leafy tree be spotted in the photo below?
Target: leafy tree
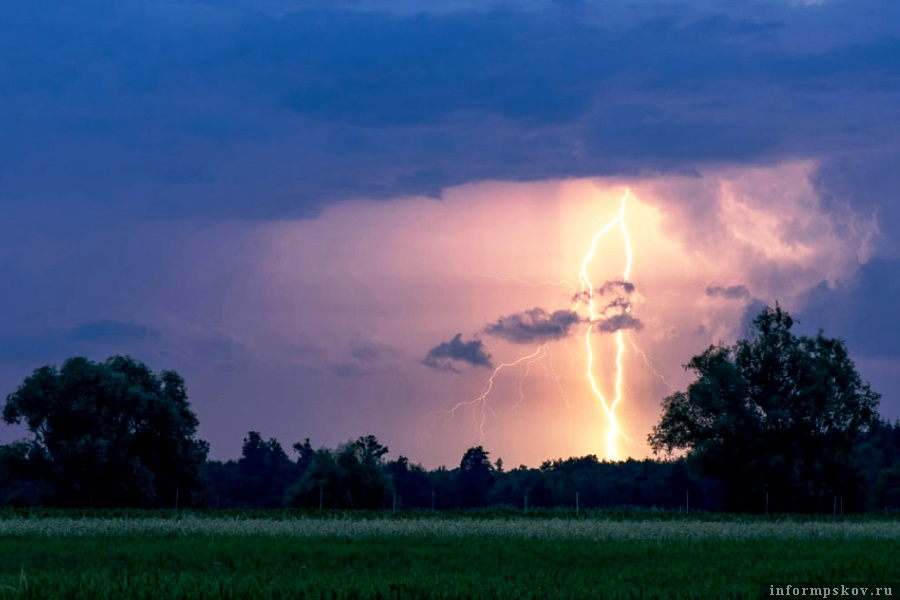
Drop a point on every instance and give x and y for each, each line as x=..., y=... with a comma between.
x=20, y=482
x=887, y=488
x=305, y=454
x=410, y=482
x=106, y=434
x=265, y=472
x=351, y=476
x=776, y=415
x=476, y=474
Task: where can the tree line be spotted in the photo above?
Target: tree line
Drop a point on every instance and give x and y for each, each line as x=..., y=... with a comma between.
x=775, y=423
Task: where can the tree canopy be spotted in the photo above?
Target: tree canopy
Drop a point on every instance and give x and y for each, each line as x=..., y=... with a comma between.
x=105, y=434
x=351, y=476
x=776, y=417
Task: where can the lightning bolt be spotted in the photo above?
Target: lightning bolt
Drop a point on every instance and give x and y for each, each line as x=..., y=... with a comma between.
x=541, y=353
x=560, y=282
x=649, y=364
x=587, y=288
x=608, y=407
x=480, y=403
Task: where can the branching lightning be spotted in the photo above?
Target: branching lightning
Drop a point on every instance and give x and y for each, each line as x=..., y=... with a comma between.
x=649, y=364
x=557, y=283
x=587, y=287
x=480, y=404
x=589, y=294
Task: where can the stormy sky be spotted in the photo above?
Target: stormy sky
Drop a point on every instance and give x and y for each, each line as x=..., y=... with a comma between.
x=338, y=218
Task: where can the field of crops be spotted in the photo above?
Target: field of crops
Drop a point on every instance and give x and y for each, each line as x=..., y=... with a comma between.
x=231, y=555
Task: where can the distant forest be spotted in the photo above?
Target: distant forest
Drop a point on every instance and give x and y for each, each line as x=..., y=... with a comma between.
x=776, y=423
x=354, y=476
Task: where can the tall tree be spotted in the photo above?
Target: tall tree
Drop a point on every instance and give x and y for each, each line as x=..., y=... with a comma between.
x=776, y=416
x=265, y=472
x=476, y=475
x=108, y=434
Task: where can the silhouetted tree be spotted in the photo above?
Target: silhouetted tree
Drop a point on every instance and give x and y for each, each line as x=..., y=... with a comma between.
x=265, y=471
x=774, y=414
x=305, y=454
x=410, y=482
x=349, y=477
x=106, y=434
x=476, y=474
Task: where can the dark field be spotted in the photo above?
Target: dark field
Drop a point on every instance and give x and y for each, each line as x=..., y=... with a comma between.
x=67, y=555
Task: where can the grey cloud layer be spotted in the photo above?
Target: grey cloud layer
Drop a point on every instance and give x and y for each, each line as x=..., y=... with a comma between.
x=271, y=110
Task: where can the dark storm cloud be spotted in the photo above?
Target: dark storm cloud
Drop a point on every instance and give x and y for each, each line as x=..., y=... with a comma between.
x=730, y=292
x=445, y=355
x=863, y=312
x=535, y=325
x=271, y=110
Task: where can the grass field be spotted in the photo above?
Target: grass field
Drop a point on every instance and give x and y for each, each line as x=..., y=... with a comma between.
x=278, y=555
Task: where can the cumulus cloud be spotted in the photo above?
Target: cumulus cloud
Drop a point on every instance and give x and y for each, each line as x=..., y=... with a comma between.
x=616, y=321
x=446, y=355
x=613, y=304
x=535, y=325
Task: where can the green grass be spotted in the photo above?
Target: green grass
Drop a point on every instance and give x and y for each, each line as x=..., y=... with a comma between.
x=289, y=556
